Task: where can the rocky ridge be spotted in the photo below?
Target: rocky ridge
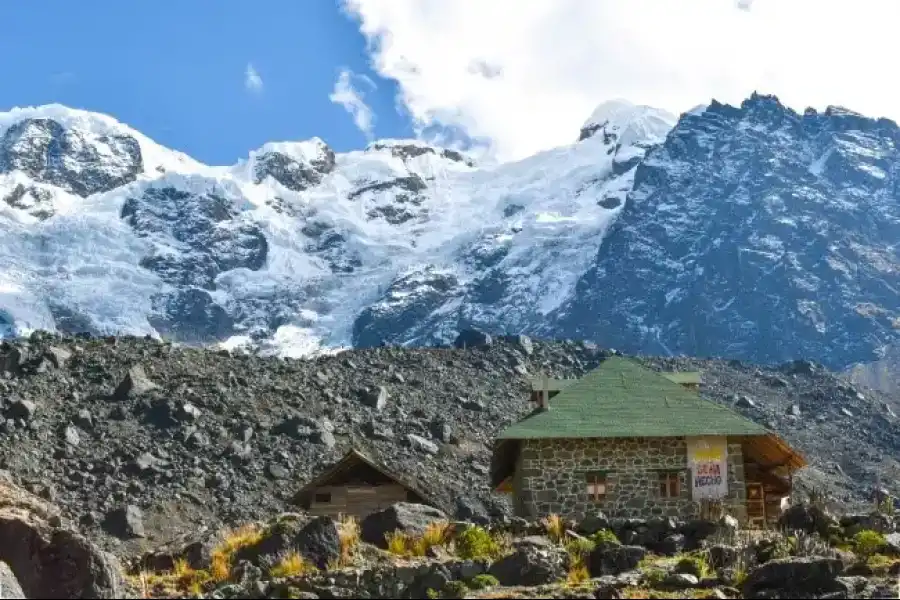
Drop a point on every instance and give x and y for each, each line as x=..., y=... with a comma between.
x=139, y=441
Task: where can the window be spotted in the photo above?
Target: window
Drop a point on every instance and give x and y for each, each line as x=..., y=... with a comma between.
x=323, y=497
x=669, y=484
x=596, y=486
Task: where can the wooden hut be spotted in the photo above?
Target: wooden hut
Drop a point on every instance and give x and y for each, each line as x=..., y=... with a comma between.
x=356, y=485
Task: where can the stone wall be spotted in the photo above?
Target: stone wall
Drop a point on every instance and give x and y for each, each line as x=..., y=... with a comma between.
x=551, y=477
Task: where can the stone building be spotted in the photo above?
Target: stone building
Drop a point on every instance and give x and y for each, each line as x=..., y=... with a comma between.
x=631, y=442
x=356, y=485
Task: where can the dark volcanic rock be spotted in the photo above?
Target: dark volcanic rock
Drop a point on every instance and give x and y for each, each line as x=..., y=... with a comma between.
x=796, y=577
x=319, y=541
x=612, y=559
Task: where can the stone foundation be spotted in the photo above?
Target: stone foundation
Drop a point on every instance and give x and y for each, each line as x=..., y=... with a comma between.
x=551, y=478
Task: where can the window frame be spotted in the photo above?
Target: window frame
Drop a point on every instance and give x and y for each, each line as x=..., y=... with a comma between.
x=667, y=481
x=594, y=480
x=322, y=498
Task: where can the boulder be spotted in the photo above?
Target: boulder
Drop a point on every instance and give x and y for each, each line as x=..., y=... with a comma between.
x=278, y=540
x=612, y=559
x=411, y=519
x=51, y=561
x=9, y=585
x=472, y=338
x=135, y=383
x=793, y=577
x=472, y=510
x=807, y=518
x=853, y=524
x=125, y=522
x=319, y=541
x=722, y=556
x=530, y=565
x=420, y=444
x=593, y=523
x=375, y=397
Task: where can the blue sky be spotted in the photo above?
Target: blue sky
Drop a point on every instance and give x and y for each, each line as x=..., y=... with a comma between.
x=177, y=70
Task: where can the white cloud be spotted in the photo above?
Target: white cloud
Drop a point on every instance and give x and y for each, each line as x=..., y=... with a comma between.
x=353, y=100
x=252, y=81
x=527, y=73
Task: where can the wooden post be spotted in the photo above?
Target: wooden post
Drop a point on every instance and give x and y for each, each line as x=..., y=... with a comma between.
x=545, y=394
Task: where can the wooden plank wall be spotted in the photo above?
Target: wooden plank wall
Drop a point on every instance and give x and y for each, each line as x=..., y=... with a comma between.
x=358, y=501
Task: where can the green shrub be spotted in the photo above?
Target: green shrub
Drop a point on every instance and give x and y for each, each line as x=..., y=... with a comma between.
x=867, y=542
x=455, y=589
x=605, y=536
x=578, y=547
x=474, y=542
x=483, y=581
x=693, y=564
x=654, y=576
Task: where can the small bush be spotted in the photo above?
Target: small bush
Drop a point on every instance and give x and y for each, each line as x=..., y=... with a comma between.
x=880, y=564
x=605, y=536
x=291, y=565
x=867, y=542
x=483, y=581
x=474, y=542
x=555, y=528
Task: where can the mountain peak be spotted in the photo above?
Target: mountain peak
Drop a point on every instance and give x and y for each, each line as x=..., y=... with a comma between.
x=630, y=123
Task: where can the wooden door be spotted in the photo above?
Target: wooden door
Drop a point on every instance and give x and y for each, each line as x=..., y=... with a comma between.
x=756, y=504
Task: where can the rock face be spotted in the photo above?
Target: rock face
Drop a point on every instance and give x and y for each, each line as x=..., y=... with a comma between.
x=757, y=179
x=75, y=160
x=790, y=261
x=49, y=561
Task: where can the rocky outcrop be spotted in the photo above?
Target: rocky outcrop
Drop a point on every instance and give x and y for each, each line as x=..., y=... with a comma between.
x=75, y=160
x=49, y=560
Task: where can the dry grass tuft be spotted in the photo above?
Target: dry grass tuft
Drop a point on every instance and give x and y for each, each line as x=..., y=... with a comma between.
x=232, y=541
x=398, y=543
x=349, y=535
x=291, y=565
x=555, y=528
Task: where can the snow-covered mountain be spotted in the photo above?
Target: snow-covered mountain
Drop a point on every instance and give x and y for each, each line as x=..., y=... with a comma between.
x=748, y=231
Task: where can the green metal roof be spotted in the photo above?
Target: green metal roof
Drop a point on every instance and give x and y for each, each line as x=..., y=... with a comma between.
x=553, y=385
x=683, y=378
x=623, y=399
